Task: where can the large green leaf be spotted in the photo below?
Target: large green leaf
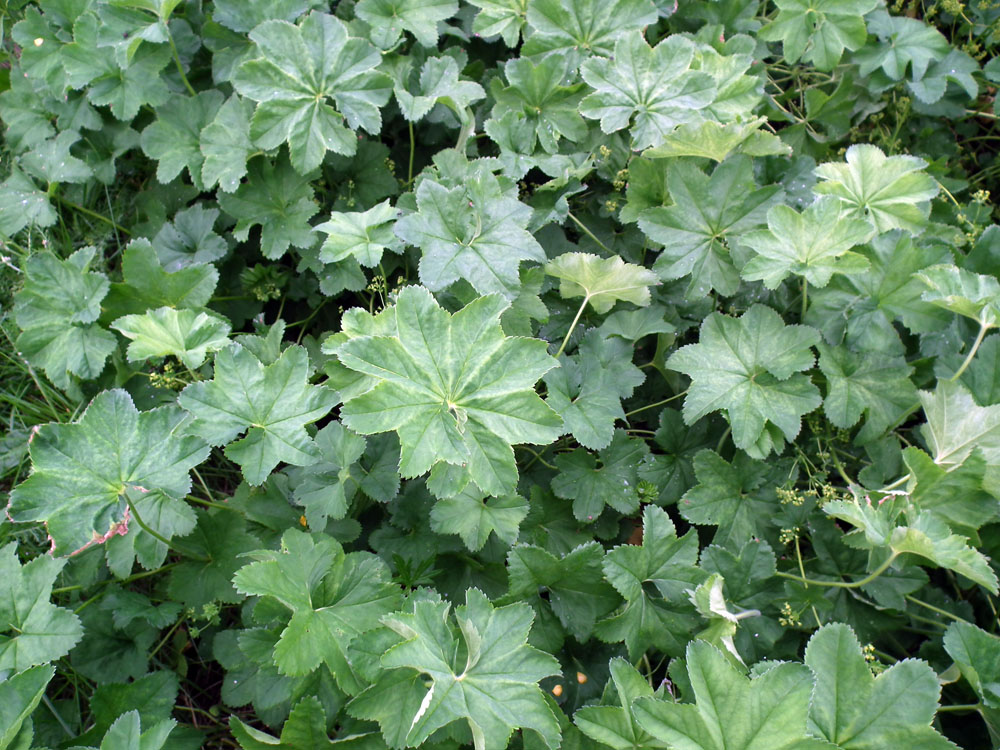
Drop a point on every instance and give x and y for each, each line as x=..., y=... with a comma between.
x=749, y=367
x=333, y=597
x=616, y=726
x=489, y=679
x=855, y=710
x=85, y=471
x=973, y=295
x=957, y=425
x=731, y=712
x=301, y=67
x=584, y=25
x=453, y=387
x=818, y=31
x=19, y=695
x=271, y=403
x=33, y=631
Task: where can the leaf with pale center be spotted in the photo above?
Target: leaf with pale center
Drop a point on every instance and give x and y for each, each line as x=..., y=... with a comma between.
x=601, y=281
x=186, y=334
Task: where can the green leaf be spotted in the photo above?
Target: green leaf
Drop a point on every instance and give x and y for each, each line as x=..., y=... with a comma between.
x=818, y=31
x=300, y=69
x=189, y=240
x=891, y=192
x=730, y=711
x=51, y=160
x=601, y=281
x=589, y=25
x=453, y=387
x=147, y=285
x=494, y=687
x=749, y=367
x=613, y=483
x=277, y=199
x=653, y=578
x=874, y=384
x=304, y=729
x=537, y=94
x=903, y=529
x=857, y=711
x=174, y=138
x=245, y=15
x=956, y=495
x=19, y=695
x=225, y=145
x=655, y=85
x=712, y=140
x=572, y=583
x=707, y=213
x=185, y=334
x=364, y=235
x=972, y=295
x=814, y=244
x=957, y=425
x=56, y=309
x=904, y=43
x=23, y=204
x=483, y=243
x=333, y=598
x=438, y=82
x=977, y=654
x=616, y=726
x=126, y=734
x=272, y=404
x=503, y=17
x=390, y=18
x=35, y=630
x=473, y=516
x=83, y=472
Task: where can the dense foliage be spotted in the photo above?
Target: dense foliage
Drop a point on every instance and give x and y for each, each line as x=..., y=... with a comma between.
x=530, y=373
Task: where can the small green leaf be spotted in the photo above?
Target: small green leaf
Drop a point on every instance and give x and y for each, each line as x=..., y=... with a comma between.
x=601, y=281
x=977, y=654
x=364, y=235
x=226, y=146
x=473, y=516
x=616, y=726
x=174, y=138
x=19, y=695
x=818, y=31
x=613, y=483
x=185, y=334
x=972, y=295
x=390, y=18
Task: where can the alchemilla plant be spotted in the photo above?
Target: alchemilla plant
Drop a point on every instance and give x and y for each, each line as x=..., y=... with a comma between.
x=499, y=373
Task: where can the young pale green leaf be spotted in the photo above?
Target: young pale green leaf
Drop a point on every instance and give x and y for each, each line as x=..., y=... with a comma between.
x=56, y=309
x=333, y=598
x=174, y=138
x=494, y=689
x=713, y=140
x=594, y=484
x=305, y=729
x=453, y=387
x=126, y=734
x=438, y=82
x=731, y=712
x=19, y=695
x=957, y=425
x=185, y=334
x=707, y=213
x=959, y=495
x=654, y=85
x=667, y=564
x=245, y=15
x=277, y=199
x=616, y=726
x=874, y=384
x=272, y=403
x=23, y=204
x=582, y=26
x=814, y=244
x=84, y=471
x=977, y=654
x=473, y=516
x=973, y=295
x=818, y=31
x=390, y=18
x=301, y=67
x=483, y=243
x=855, y=710
x=225, y=145
x=749, y=367
x=33, y=631
x=364, y=235
x=891, y=192
x=601, y=281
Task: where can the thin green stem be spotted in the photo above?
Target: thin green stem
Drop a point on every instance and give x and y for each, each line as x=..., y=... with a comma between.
x=590, y=234
x=898, y=483
x=159, y=537
x=92, y=214
x=180, y=67
x=983, y=328
x=213, y=504
x=933, y=608
x=572, y=326
x=654, y=404
x=537, y=457
x=413, y=148
x=59, y=719
x=165, y=638
x=960, y=707
x=843, y=584
x=728, y=431
x=805, y=298
x=839, y=466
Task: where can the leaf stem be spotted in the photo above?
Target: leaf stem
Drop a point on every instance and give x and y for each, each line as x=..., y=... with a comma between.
x=572, y=326
x=983, y=328
x=413, y=145
x=805, y=298
x=59, y=719
x=590, y=234
x=933, y=608
x=961, y=707
x=91, y=214
x=843, y=584
x=180, y=67
x=159, y=537
x=213, y=504
x=655, y=404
